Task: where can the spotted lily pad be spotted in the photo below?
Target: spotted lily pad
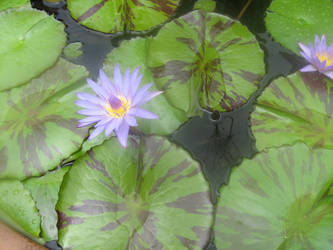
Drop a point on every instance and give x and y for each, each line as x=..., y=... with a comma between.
x=17, y=208
x=295, y=108
x=38, y=122
x=278, y=200
x=207, y=59
x=44, y=191
x=295, y=21
x=6, y=4
x=114, y=16
x=151, y=195
x=133, y=54
x=30, y=42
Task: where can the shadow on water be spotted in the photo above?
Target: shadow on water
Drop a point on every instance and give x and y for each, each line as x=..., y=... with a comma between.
x=217, y=141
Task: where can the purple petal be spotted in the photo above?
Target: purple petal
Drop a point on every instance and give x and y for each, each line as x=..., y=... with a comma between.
x=126, y=83
x=98, y=90
x=317, y=42
x=96, y=132
x=330, y=49
x=122, y=134
x=135, y=82
x=329, y=74
x=86, y=104
x=305, y=56
x=323, y=43
x=90, y=98
x=91, y=119
x=104, y=121
x=117, y=77
x=149, y=96
x=93, y=112
x=131, y=120
x=105, y=82
x=329, y=68
x=141, y=94
x=142, y=113
x=83, y=124
x=114, y=124
x=308, y=68
x=306, y=50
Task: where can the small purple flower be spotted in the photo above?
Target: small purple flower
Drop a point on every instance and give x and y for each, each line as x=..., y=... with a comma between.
x=319, y=56
x=116, y=104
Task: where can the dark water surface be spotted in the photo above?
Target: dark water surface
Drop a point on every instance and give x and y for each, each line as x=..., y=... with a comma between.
x=217, y=141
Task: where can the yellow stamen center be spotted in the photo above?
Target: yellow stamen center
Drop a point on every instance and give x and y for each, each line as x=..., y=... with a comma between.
x=121, y=111
x=325, y=57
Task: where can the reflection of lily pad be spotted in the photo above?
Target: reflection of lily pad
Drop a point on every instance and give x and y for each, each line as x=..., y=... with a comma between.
x=151, y=195
x=206, y=58
x=114, y=16
x=295, y=21
x=30, y=42
x=6, y=4
x=45, y=191
x=18, y=209
x=38, y=122
x=278, y=200
x=133, y=54
x=295, y=108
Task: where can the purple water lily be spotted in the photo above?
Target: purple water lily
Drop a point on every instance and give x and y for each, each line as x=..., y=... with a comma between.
x=116, y=104
x=319, y=56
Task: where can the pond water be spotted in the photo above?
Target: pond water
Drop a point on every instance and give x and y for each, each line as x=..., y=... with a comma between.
x=218, y=141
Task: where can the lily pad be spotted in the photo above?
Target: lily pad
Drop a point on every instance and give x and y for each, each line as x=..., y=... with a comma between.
x=132, y=54
x=44, y=191
x=295, y=21
x=207, y=59
x=295, y=108
x=278, y=200
x=17, y=208
x=206, y=5
x=38, y=122
x=151, y=195
x=6, y=4
x=114, y=16
x=30, y=42
x=73, y=50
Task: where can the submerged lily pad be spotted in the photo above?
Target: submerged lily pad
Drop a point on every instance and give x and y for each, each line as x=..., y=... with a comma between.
x=30, y=42
x=295, y=108
x=44, y=191
x=133, y=54
x=114, y=16
x=38, y=122
x=151, y=195
x=295, y=21
x=18, y=209
x=6, y=4
x=278, y=200
x=207, y=59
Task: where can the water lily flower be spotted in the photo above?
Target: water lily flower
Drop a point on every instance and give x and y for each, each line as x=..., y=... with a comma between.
x=319, y=56
x=116, y=104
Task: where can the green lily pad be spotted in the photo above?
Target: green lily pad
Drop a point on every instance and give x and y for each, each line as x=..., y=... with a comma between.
x=295, y=108
x=17, y=208
x=73, y=50
x=207, y=59
x=44, y=191
x=206, y=5
x=38, y=122
x=30, y=43
x=6, y=4
x=114, y=16
x=132, y=54
x=278, y=200
x=151, y=195
x=290, y=22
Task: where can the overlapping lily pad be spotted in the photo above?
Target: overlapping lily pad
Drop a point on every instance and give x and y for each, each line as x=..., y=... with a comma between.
x=114, y=16
x=295, y=21
x=38, y=122
x=17, y=208
x=151, y=195
x=30, y=42
x=44, y=191
x=132, y=54
x=6, y=4
x=295, y=108
x=207, y=59
x=278, y=200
